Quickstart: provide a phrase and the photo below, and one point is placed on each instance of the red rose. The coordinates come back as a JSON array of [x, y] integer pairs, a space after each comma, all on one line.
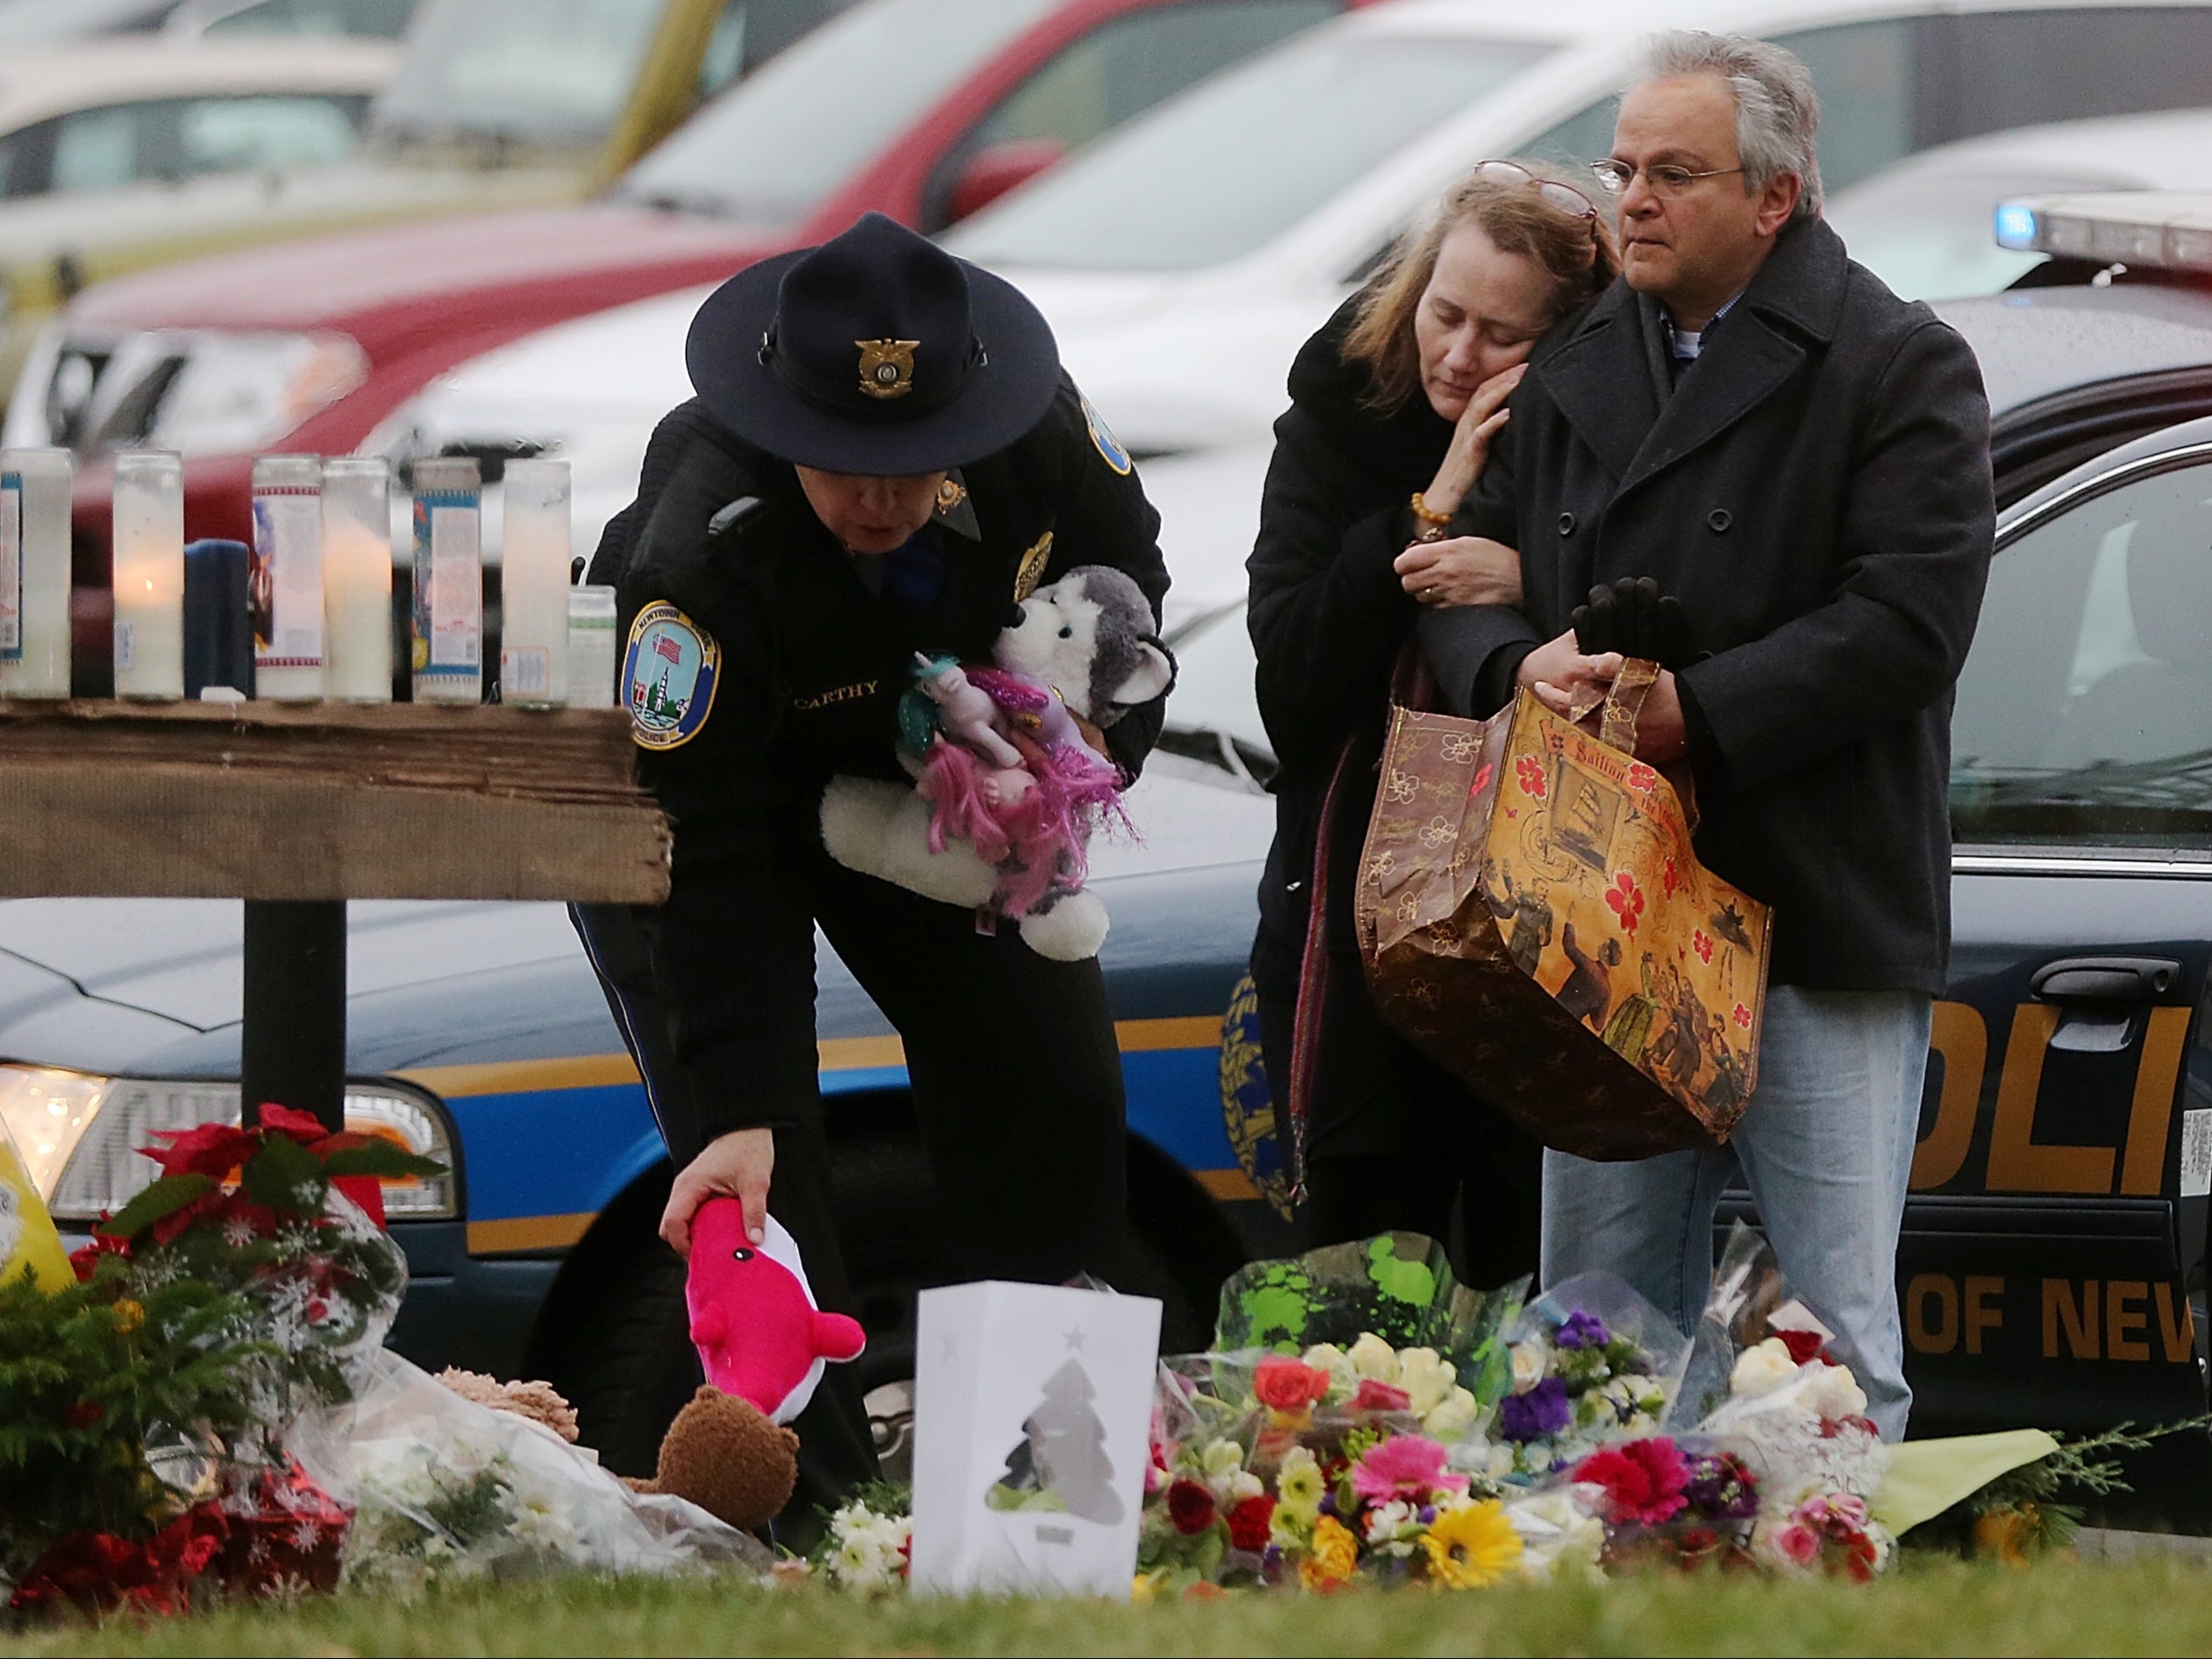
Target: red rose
[[1803, 1345], [1190, 1506], [1380, 1397], [1248, 1523], [1288, 1384]]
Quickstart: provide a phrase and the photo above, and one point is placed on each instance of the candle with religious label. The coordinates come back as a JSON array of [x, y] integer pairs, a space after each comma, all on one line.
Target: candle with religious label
[[357, 579], [34, 573], [595, 650], [149, 575], [285, 587], [534, 584], [449, 581]]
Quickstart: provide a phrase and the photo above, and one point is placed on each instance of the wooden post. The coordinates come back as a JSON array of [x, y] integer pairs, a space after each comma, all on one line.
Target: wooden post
[[292, 1048]]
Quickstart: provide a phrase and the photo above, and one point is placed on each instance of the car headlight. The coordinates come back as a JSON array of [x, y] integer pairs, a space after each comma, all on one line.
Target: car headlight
[[80, 1135], [232, 394]]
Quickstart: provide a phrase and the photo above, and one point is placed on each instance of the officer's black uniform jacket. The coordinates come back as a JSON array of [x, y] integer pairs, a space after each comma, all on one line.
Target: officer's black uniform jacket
[[813, 664]]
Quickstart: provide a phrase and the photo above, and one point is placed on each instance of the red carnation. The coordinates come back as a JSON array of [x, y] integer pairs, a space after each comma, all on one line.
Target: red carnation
[[1380, 1397], [1288, 1384], [1190, 1506], [1644, 1480], [1249, 1522], [1803, 1345]]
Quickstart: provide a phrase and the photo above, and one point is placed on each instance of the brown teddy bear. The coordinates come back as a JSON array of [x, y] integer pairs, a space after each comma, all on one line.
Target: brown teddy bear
[[721, 1452]]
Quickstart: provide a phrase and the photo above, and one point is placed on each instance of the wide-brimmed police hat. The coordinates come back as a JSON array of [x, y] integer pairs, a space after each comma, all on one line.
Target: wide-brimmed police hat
[[877, 352]]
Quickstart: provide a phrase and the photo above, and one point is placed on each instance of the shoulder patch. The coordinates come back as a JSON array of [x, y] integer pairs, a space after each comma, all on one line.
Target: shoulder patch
[[1102, 440], [668, 676]]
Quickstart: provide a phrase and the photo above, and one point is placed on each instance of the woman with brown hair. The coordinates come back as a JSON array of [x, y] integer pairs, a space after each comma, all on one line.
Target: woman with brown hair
[[1393, 406]]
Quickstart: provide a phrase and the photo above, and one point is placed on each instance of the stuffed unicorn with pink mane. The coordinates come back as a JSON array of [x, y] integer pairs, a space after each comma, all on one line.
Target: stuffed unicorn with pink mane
[[1007, 792]]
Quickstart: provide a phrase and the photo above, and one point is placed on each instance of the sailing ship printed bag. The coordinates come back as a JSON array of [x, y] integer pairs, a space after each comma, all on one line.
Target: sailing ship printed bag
[[1532, 916]]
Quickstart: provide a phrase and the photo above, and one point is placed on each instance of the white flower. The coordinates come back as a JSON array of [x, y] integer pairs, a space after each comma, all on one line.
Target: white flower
[[1556, 1534], [1393, 1528], [1833, 1393], [1327, 1356], [1763, 1366], [1242, 1485], [1427, 1380], [1451, 1417], [1498, 1463], [1527, 1366], [1373, 1358], [1218, 1464]]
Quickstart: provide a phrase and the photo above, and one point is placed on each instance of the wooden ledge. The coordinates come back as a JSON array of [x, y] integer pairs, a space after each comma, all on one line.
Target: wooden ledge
[[325, 800]]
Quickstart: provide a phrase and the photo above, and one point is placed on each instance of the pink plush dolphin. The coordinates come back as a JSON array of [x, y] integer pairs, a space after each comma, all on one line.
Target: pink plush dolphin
[[753, 1317]]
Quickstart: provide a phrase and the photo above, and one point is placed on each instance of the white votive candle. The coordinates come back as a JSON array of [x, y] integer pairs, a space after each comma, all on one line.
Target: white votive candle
[[149, 575], [449, 581], [594, 648], [534, 584], [285, 588], [357, 579], [34, 573]]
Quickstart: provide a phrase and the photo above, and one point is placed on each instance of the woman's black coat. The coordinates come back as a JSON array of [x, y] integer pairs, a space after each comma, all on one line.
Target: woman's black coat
[[1327, 614]]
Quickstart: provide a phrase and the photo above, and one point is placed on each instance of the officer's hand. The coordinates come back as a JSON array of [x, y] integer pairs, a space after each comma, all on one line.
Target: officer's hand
[[1466, 570], [737, 1165]]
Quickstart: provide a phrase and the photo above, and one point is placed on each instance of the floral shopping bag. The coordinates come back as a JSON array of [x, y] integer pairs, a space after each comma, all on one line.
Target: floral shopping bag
[[1532, 917]]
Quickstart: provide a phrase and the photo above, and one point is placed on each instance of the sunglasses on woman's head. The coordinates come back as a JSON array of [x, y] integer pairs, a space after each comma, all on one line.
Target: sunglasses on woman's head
[[1565, 198]]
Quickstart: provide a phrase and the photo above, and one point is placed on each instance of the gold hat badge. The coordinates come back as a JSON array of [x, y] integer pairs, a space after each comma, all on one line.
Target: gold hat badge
[[886, 366]]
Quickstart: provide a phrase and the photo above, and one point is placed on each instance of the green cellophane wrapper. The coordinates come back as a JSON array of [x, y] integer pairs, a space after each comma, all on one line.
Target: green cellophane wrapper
[[1398, 1286]]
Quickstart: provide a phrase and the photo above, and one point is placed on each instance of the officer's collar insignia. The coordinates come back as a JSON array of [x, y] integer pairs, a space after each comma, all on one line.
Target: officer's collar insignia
[[886, 366], [956, 508], [1102, 440], [1033, 566], [668, 677]]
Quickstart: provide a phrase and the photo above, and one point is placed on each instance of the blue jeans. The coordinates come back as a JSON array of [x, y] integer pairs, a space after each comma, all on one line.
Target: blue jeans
[[1826, 1146]]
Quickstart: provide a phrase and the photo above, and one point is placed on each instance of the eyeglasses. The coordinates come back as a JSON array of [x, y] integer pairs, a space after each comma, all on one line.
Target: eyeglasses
[[1665, 178], [1565, 198]]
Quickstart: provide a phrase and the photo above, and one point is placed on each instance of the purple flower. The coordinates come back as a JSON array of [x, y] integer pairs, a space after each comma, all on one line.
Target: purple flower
[[1582, 1330], [1537, 1415], [1721, 1488]]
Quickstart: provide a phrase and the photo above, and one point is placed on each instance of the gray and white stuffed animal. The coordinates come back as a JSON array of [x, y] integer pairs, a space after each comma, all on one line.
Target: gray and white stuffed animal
[[1092, 637]]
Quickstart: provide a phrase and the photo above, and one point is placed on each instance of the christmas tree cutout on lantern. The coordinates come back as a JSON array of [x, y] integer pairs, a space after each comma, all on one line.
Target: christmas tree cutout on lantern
[[1059, 1463]]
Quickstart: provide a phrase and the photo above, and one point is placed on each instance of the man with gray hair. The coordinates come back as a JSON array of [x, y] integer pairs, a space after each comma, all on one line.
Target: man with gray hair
[[1799, 461]]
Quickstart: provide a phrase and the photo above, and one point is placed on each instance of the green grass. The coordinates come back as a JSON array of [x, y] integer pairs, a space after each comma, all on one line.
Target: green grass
[[2154, 1606]]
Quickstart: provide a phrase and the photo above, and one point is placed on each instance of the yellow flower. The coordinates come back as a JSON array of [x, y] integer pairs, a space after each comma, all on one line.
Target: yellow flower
[[129, 1316], [1471, 1545], [1299, 1481], [1336, 1554], [1146, 1588]]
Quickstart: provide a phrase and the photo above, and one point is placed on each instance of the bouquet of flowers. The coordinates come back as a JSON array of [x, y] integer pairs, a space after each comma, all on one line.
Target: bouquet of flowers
[[1674, 1502], [445, 1490], [870, 1543], [1590, 1361]]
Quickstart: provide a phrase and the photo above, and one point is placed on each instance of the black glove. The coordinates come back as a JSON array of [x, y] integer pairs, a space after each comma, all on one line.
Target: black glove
[[1632, 617]]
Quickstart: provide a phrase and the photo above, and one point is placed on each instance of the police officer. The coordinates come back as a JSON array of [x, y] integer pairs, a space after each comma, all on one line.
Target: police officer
[[884, 459]]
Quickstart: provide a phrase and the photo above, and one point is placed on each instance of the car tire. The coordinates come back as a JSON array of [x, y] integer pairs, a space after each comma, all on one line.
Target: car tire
[[638, 1368]]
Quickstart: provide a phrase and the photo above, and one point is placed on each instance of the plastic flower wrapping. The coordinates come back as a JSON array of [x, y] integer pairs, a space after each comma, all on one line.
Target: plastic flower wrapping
[[444, 1491], [1363, 1418]]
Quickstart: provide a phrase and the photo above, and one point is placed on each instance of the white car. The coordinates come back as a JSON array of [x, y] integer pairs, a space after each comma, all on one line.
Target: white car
[[1184, 257], [50, 22], [1924, 226]]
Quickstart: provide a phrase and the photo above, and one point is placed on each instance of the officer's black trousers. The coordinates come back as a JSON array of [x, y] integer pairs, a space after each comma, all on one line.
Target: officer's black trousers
[[1017, 1086]]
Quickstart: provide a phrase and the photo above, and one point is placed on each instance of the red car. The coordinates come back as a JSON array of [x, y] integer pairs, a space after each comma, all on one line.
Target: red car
[[921, 109]]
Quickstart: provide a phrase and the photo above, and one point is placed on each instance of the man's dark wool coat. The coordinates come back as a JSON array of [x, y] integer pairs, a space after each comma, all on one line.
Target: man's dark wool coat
[[1816, 492]]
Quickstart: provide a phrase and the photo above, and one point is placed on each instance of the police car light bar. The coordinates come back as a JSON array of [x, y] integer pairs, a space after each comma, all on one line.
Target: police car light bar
[[2168, 229]]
